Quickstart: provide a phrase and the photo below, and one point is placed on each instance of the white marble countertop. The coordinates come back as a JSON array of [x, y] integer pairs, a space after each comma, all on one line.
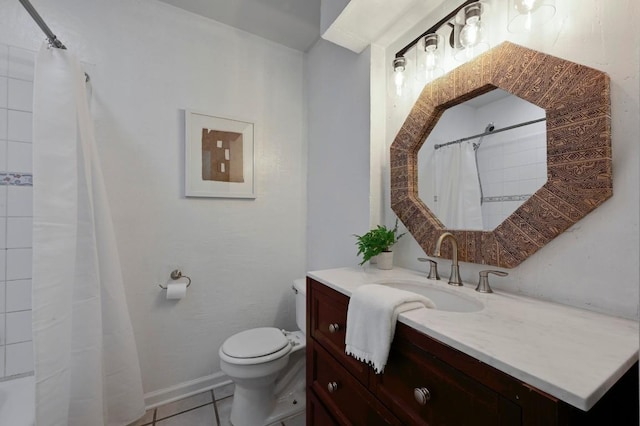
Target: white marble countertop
[[570, 353]]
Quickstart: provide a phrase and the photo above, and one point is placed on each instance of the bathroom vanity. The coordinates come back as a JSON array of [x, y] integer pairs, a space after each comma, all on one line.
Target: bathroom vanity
[[503, 360]]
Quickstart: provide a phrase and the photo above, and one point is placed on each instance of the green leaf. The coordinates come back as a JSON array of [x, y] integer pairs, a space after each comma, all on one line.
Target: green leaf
[[376, 241]]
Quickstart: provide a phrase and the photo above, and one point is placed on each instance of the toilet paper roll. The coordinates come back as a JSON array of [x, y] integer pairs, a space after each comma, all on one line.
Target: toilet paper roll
[[176, 291]]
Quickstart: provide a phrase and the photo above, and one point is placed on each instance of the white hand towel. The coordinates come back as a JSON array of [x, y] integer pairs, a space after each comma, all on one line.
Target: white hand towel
[[371, 321]]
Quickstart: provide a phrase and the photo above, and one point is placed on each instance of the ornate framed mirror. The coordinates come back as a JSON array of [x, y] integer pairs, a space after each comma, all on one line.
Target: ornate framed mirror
[[577, 106]]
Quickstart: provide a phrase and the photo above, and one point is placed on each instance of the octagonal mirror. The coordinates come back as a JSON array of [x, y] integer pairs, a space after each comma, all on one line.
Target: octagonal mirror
[[482, 160], [575, 99]]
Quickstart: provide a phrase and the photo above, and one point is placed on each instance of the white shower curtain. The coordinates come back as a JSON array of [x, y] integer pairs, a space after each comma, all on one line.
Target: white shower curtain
[[457, 186], [86, 361]]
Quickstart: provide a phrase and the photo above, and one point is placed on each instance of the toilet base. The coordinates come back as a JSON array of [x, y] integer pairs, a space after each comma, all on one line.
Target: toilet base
[[250, 408], [251, 405], [288, 406], [278, 400]]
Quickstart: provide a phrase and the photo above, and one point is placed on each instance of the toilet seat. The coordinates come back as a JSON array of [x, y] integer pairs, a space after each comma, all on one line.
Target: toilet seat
[[255, 346]]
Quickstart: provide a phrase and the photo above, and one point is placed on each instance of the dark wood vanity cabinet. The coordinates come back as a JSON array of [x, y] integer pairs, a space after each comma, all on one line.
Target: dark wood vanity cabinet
[[428, 383], [421, 389]]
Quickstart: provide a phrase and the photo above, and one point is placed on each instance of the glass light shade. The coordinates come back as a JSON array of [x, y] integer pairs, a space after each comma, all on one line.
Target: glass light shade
[[432, 74], [526, 15], [432, 51], [429, 58], [399, 65], [470, 32], [526, 6]]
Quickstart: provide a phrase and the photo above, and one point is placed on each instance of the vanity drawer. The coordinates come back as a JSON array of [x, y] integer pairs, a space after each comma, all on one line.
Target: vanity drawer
[[445, 396], [345, 398], [328, 318]]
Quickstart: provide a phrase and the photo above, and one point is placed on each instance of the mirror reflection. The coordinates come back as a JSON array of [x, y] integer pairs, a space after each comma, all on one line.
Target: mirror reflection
[[482, 160]]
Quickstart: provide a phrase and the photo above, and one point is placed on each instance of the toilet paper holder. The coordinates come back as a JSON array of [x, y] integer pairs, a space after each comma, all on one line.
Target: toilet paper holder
[[176, 274]]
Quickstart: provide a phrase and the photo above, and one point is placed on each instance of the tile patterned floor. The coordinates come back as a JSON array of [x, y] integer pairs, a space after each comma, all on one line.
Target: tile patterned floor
[[210, 408]]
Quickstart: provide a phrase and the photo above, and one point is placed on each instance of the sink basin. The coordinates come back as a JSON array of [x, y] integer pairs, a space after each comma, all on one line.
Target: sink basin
[[444, 299]]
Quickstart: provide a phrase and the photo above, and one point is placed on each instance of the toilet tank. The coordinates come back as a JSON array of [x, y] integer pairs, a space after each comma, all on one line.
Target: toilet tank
[[300, 288]]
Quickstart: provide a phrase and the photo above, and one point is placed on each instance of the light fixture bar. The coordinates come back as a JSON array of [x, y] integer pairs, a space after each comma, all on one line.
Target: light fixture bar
[[434, 28]]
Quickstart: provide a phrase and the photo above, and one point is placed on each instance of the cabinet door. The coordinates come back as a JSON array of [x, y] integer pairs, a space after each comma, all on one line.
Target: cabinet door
[[345, 398], [317, 415], [423, 390], [329, 325]]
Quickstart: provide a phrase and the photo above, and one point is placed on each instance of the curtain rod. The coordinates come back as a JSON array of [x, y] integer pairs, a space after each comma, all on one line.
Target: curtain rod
[[504, 129], [53, 40]]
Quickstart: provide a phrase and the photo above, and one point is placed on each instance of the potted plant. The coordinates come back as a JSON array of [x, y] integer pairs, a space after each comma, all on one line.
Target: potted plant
[[378, 242]]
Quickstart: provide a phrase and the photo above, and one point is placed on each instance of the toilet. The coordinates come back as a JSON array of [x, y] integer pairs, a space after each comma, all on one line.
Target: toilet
[[267, 366]]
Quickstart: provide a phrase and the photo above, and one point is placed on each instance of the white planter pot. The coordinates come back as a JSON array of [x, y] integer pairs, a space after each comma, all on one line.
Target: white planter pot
[[385, 260]]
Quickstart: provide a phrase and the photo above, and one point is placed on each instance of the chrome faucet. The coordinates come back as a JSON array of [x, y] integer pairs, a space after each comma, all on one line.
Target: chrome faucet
[[433, 268], [454, 278], [483, 282]]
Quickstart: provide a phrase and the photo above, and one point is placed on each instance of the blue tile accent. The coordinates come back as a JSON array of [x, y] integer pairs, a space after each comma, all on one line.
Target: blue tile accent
[[500, 198], [16, 179]]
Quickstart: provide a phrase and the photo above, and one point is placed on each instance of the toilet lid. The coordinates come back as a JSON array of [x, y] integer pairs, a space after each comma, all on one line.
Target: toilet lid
[[255, 343]]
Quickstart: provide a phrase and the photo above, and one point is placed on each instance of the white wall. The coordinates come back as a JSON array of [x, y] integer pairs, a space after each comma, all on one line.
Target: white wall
[[338, 90], [148, 62], [594, 264]]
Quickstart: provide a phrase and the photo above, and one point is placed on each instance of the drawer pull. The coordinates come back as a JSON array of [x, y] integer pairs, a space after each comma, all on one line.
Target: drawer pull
[[422, 395], [332, 387], [334, 327]]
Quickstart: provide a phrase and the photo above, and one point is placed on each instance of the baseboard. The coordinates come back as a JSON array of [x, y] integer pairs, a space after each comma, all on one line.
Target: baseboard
[[183, 390]]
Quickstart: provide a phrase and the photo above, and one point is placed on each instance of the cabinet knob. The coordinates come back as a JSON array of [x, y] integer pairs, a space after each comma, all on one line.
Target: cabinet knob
[[332, 387], [422, 395], [334, 327]]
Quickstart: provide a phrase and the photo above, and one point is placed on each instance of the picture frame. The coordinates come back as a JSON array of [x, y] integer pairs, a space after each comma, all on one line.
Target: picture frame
[[219, 156]]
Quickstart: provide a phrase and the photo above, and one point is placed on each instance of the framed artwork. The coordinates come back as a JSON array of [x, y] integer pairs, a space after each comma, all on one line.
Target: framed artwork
[[219, 157]]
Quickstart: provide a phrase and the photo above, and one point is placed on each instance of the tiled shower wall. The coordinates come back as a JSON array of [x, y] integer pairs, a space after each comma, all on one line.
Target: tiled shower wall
[[16, 100], [512, 164], [513, 167]]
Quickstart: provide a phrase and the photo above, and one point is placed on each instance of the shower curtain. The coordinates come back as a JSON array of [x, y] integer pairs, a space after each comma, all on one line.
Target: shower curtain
[[86, 361], [457, 188]]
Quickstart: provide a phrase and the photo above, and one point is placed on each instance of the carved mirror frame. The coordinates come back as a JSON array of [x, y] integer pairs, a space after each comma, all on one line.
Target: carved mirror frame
[[578, 110]]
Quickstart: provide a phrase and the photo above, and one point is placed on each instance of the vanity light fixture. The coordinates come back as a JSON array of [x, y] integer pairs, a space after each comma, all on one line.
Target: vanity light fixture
[[465, 21], [524, 15]]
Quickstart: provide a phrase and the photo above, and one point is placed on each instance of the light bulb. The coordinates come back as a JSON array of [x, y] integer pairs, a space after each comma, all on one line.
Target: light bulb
[[430, 60], [431, 51], [399, 64], [524, 15], [526, 6], [471, 33], [399, 81]]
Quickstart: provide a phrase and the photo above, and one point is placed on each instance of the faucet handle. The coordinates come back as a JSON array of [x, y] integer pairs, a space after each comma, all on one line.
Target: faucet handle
[[483, 283], [433, 268]]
